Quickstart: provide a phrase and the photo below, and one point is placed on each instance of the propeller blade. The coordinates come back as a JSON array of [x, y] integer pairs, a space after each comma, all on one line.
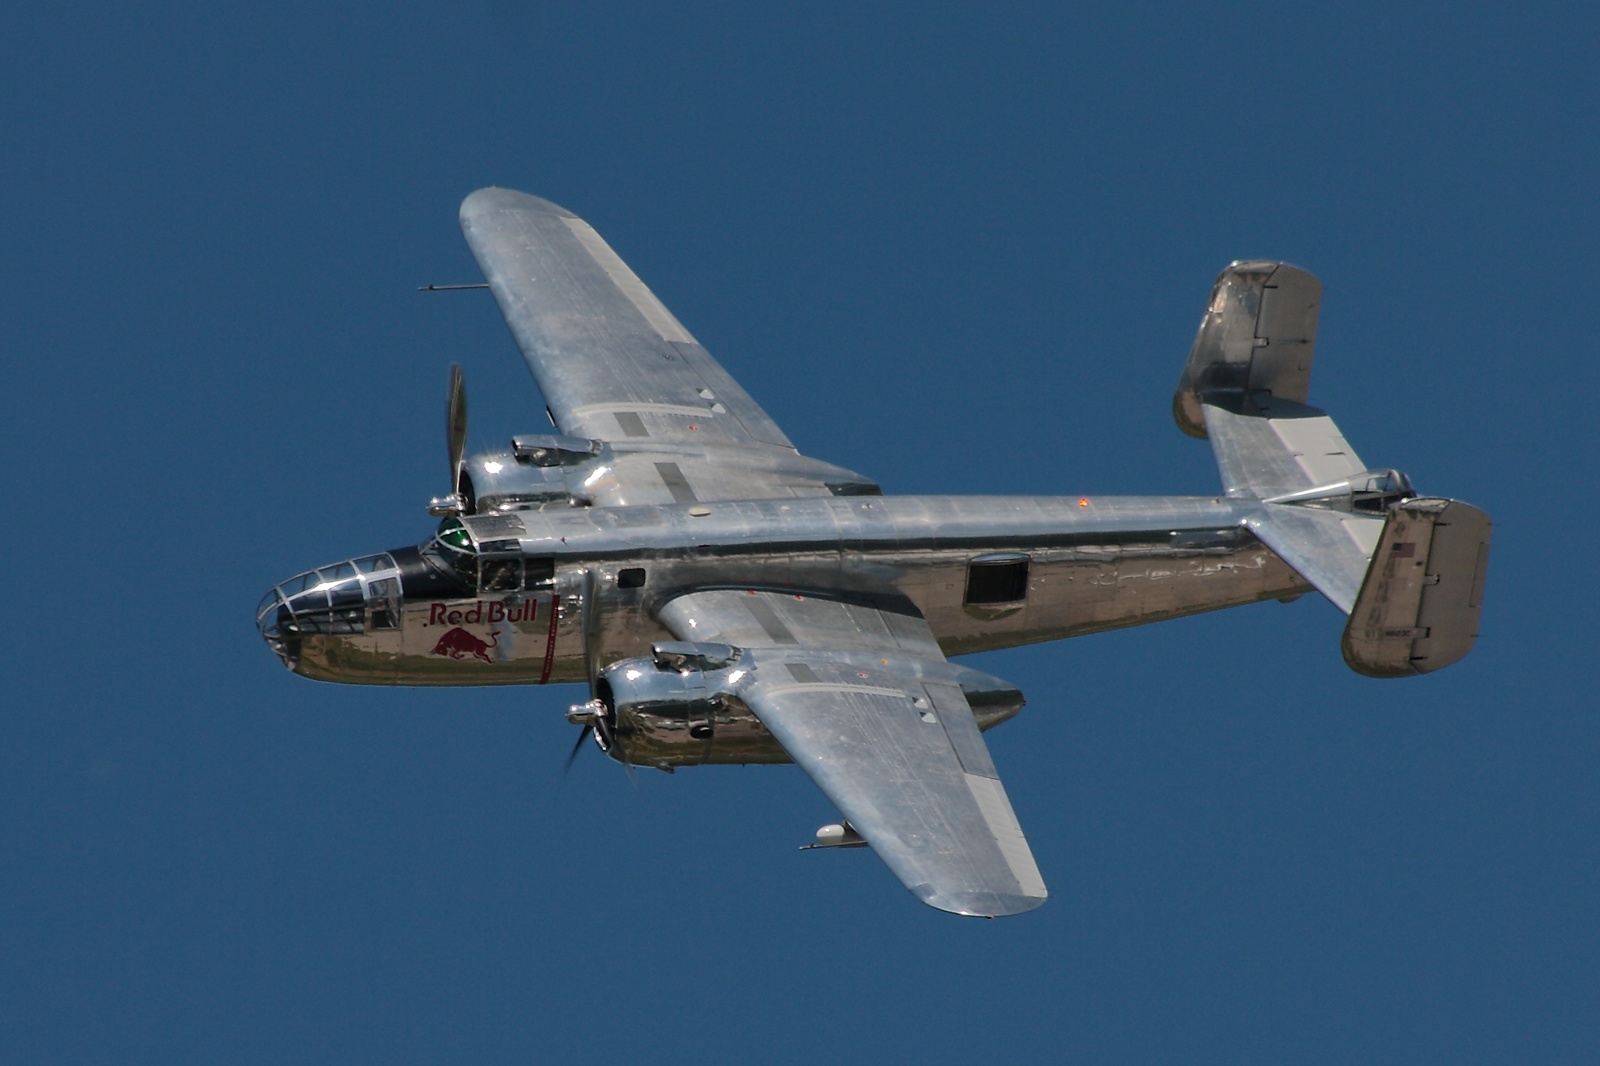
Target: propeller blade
[[456, 424], [572, 756]]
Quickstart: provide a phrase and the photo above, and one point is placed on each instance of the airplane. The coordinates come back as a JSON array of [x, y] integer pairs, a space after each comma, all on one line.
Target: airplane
[[729, 600]]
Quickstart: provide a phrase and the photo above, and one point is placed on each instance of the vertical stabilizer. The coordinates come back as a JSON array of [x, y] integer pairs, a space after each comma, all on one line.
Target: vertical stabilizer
[[1258, 335], [1419, 606]]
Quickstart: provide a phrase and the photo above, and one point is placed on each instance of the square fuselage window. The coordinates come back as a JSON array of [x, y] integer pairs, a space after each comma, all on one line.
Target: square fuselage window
[[997, 580]]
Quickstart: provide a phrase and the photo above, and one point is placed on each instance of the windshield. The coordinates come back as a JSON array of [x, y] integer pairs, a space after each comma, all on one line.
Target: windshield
[[452, 548]]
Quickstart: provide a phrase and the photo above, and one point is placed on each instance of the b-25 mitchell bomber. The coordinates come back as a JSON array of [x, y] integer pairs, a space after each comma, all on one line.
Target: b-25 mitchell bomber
[[726, 599]]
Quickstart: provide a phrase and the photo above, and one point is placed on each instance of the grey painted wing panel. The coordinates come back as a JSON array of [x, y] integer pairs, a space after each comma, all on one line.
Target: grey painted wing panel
[[1277, 447], [611, 360], [899, 753]]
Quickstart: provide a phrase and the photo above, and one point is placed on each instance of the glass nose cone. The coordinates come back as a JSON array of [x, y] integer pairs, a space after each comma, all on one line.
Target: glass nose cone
[[276, 624], [332, 601], [326, 601]]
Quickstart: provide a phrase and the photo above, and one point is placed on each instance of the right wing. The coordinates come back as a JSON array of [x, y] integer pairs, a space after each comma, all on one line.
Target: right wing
[[863, 701]]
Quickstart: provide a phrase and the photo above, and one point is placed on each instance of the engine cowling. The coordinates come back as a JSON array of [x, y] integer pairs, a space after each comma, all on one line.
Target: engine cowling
[[680, 707], [538, 471]]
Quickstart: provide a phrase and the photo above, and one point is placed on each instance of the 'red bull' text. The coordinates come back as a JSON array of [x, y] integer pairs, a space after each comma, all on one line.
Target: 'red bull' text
[[491, 611]]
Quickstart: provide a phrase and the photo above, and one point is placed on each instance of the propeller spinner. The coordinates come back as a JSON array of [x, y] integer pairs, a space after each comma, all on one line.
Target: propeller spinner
[[594, 719]]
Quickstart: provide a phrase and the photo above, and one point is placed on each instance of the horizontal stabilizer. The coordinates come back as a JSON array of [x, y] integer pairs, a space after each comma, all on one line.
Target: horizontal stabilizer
[[1419, 606], [1329, 549], [1408, 571], [1266, 447]]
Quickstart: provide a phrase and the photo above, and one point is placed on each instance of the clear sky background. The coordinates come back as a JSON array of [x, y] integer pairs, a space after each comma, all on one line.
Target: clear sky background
[[958, 250]]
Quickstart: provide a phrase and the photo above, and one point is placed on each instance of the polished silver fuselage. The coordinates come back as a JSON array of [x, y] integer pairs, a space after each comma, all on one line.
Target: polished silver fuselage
[[1091, 564]]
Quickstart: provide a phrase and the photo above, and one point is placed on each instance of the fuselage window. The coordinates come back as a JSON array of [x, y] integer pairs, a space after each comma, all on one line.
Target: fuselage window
[[999, 580], [499, 575], [538, 573]]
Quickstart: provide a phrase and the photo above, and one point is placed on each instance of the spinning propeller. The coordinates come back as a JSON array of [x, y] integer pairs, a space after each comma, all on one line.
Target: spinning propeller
[[593, 719], [455, 430], [455, 426]]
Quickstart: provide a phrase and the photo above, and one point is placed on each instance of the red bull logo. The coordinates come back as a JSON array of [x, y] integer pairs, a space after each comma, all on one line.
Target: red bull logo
[[458, 644], [481, 611]]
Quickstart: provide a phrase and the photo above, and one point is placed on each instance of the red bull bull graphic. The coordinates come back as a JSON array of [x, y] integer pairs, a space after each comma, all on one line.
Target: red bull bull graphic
[[458, 644]]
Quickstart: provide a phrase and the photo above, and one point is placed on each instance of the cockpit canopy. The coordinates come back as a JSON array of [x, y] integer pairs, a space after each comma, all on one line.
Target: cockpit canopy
[[484, 554], [345, 599]]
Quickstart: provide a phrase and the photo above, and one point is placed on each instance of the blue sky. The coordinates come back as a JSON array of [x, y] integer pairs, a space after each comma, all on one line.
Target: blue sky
[[959, 251]]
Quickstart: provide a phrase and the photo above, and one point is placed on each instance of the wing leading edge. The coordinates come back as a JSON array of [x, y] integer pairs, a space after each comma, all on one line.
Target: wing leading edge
[[864, 703]]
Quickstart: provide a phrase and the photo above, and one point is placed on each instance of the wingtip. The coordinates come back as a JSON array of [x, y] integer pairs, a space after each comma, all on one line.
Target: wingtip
[[493, 199], [982, 904]]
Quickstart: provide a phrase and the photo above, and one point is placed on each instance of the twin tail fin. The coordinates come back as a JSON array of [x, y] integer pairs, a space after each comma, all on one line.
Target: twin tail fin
[[1408, 571]]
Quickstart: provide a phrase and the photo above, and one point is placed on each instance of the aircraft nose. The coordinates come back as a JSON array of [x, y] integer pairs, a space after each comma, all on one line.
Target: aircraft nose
[[328, 601], [275, 622]]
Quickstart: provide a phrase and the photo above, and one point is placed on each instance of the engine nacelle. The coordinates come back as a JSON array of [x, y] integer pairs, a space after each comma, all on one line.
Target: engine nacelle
[[538, 471], [680, 706]]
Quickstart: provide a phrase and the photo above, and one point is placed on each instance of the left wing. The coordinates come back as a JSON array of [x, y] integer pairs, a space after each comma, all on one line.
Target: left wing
[[863, 700], [611, 360], [615, 365]]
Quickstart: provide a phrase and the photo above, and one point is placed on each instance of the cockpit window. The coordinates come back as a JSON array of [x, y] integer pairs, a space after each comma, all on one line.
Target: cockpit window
[[373, 563], [301, 582], [484, 566], [453, 534], [451, 547], [500, 575], [540, 572]]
